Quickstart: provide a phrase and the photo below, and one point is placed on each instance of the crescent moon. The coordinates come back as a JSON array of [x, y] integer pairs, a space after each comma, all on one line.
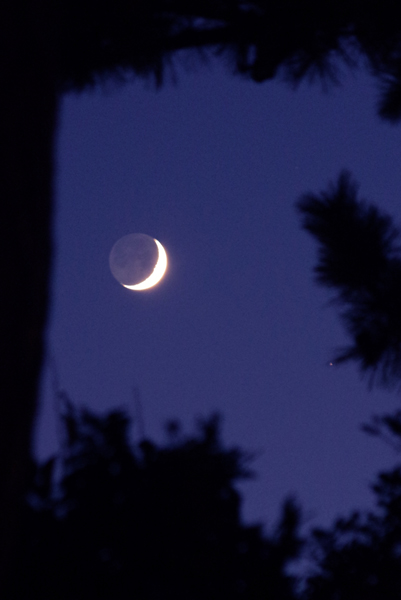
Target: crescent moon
[[157, 273]]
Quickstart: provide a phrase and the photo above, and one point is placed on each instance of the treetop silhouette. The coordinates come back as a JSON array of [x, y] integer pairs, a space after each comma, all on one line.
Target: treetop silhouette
[[108, 519], [149, 521], [359, 557]]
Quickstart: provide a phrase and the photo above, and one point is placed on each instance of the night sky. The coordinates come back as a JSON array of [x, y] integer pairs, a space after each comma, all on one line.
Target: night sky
[[212, 167]]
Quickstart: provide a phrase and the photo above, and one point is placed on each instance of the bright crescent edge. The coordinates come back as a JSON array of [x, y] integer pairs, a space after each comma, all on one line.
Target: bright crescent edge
[[157, 273]]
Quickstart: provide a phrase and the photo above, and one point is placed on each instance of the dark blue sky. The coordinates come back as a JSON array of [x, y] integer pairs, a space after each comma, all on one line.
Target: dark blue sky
[[212, 168]]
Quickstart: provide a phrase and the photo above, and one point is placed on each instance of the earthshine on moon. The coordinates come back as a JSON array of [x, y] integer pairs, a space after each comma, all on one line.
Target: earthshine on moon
[[138, 261]]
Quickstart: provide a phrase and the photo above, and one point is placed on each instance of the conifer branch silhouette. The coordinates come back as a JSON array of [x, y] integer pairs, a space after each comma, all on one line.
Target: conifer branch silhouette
[[359, 257]]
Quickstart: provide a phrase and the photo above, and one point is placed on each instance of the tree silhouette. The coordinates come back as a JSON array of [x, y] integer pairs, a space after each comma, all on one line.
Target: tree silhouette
[[292, 39], [360, 257], [108, 520], [359, 557], [49, 48]]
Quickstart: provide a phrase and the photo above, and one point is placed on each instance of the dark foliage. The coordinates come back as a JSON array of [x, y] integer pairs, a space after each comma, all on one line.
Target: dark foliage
[[386, 427], [148, 522], [359, 558], [106, 520], [360, 258], [260, 39]]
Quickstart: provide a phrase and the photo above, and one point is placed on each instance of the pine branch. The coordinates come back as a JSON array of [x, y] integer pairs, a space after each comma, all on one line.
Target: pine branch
[[359, 257]]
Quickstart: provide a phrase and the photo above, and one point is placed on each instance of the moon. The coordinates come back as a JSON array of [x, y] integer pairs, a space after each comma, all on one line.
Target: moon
[[138, 261]]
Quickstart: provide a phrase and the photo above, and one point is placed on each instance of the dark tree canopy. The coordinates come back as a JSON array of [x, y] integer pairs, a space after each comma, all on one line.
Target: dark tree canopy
[[360, 257], [260, 39], [106, 519], [359, 558], [113, 521]]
